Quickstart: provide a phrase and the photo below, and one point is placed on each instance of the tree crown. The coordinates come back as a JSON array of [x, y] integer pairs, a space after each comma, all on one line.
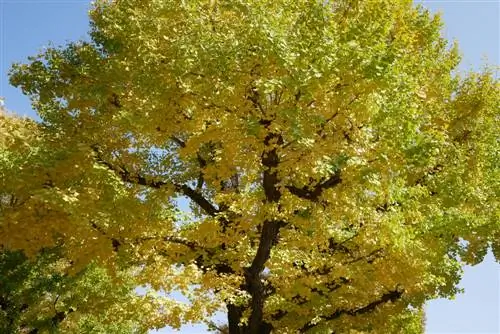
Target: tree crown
[[335, 167]]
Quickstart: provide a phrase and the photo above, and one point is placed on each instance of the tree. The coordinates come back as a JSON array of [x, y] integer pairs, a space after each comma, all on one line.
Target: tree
[[38, 296], [338, 172], [44, 291]]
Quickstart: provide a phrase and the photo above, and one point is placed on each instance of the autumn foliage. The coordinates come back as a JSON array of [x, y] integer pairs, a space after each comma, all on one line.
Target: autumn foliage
[[303, 166]]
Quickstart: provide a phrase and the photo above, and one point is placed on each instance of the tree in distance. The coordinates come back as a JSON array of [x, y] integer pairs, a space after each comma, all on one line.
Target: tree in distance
[[338, 170], [38, 296]]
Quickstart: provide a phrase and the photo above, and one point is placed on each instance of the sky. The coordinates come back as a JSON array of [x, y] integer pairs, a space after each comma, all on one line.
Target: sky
[[27, 26]]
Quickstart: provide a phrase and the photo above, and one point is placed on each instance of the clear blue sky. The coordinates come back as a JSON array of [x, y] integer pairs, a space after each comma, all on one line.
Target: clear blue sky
[[27, 26]]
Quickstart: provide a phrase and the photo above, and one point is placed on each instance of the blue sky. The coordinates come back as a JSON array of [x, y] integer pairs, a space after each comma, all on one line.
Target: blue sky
[[27, 26]]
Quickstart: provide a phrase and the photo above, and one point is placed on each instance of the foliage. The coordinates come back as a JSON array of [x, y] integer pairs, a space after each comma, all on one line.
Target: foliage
[[336, 169], [38, 296]]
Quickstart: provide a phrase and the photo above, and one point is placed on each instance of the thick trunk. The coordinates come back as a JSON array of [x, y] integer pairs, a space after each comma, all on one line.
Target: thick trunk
[[234, 314], [269, 235]]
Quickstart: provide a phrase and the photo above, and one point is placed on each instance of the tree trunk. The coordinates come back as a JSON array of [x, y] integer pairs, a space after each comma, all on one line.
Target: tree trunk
[[234, 314]]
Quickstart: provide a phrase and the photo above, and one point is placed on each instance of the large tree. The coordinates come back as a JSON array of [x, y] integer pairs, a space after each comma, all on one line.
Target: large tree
[[337, 169]]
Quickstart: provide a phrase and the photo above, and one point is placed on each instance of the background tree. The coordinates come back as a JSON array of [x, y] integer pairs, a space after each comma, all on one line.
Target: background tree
[[335, 167], [47, 292], [38, 296]]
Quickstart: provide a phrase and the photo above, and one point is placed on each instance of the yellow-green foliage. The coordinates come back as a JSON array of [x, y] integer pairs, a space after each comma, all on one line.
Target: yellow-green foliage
[[38, 296], [335, 167]]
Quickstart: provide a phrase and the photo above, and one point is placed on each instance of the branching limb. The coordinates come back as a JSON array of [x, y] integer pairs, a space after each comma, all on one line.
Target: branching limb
[[329, 287], [116, 242], [314, 193], [151, 182], [390, 296]]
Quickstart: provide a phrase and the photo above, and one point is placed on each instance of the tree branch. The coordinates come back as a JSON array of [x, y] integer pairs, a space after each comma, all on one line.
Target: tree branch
[[172, 239], [254, 96], [198, 198], [314, 193], [200, 261], [151, 182], [329, 287], [175, 240], [390, 296]]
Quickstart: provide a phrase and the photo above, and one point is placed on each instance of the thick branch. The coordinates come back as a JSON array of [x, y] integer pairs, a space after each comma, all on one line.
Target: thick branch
[[178, 141], [181, 241], [254, 98], [386, 207], [434, 170], [198, 198], [203, 259], [172, 239], [194, 246], [390, 296], [327, 288], [151, 182], [313, 193]]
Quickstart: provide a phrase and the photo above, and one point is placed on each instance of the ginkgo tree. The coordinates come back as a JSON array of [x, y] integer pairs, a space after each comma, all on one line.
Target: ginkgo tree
[[338, 171]]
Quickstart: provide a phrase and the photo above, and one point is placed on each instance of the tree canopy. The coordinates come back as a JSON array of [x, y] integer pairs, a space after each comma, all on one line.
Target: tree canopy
[[39, 296], [337, 168]]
